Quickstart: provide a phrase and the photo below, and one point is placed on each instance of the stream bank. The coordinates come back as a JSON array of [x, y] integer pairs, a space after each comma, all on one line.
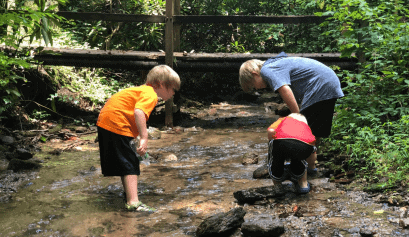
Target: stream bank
[[196, 168]]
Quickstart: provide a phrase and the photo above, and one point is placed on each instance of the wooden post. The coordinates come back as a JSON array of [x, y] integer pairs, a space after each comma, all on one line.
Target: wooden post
[[176, 29], [169, 57], [176, 48]]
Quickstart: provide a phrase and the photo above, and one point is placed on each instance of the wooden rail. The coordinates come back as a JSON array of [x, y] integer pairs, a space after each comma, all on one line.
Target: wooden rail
[[180, 19], [177, 60], [218, 62]]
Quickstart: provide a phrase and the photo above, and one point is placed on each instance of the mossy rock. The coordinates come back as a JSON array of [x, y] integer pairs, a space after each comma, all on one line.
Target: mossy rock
[[55, 129]]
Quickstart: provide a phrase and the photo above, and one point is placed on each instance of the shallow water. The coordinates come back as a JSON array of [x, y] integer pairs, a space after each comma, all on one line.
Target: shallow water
[[70, 197]]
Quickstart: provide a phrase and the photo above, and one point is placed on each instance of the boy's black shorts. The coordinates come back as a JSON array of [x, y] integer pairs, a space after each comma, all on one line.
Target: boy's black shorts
[[117, 157], [319, 117]]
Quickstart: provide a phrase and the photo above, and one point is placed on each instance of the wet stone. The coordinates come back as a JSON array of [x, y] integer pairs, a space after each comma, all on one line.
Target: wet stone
[[170, 157], [23, 154], [250, 158], [221, 224], [18, 165], [313, 232], [262, 225], [261, 172], [255, 194], [6, 139], [154, 133], [365, 232], [80, 129], [404, 223]]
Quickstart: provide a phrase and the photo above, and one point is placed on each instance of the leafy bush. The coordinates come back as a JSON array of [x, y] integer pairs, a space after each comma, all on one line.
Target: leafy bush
[[256, 38], [26, 22], [118, 35], [87, 82], [220, 37], [371, 122], [9, 94]]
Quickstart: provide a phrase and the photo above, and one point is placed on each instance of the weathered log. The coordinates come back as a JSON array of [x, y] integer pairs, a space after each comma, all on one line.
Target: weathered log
[[141, 60], [99, 16]]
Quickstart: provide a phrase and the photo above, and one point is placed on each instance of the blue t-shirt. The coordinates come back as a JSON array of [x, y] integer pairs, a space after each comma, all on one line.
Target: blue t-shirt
[[311, 81]]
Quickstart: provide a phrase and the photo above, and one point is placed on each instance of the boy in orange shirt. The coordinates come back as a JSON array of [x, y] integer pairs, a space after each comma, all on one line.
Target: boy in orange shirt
[[122, 119], [290, 138]]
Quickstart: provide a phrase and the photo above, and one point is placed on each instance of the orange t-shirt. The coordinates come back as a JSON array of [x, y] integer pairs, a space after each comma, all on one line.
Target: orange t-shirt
[[289, 127], [117, 115]]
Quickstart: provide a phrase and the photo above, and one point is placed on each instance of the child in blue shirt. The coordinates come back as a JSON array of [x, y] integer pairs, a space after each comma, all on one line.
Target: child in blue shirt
[[299, 81]]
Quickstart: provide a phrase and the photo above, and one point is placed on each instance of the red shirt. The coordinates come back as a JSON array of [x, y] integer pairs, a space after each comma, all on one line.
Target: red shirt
[[289, 127]]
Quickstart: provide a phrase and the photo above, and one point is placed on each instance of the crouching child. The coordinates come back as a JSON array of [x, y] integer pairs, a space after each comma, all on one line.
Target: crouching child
[[290, 139]]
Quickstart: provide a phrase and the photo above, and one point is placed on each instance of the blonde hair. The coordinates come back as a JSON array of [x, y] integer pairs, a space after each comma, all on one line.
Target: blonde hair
[[298, 117], [165, 75], [246, 73]]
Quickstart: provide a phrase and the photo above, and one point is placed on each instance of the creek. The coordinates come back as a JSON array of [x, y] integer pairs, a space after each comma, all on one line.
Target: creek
[[68, 196]]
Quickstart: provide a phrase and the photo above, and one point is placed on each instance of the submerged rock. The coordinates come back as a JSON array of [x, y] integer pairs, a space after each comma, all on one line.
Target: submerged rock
[[18, 165], [170, 157], [222, 223]]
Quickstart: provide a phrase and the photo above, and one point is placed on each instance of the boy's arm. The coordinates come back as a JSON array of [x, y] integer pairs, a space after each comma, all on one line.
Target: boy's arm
[[271, 131], [140, 120], [288, 96]]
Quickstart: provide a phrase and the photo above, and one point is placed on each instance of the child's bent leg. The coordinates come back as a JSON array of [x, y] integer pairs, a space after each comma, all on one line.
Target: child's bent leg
[[130, 183], [298, 172], [275, 163], [302, 182], [313, 157], [311, 160]]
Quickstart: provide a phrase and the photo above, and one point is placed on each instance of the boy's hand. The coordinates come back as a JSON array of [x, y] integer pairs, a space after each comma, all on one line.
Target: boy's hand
[[143, 145], [271, 132]]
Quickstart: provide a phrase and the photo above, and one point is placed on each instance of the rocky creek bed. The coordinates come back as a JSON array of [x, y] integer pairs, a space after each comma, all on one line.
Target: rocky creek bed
[[206, 178]]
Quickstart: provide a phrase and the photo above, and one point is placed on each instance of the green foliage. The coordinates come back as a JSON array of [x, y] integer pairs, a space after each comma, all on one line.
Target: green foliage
[[86, 82], [33, 20], [204, 37], [118, 35], [46, 19], [8, 92], [371, 122], [25, 22], [258, 38]]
